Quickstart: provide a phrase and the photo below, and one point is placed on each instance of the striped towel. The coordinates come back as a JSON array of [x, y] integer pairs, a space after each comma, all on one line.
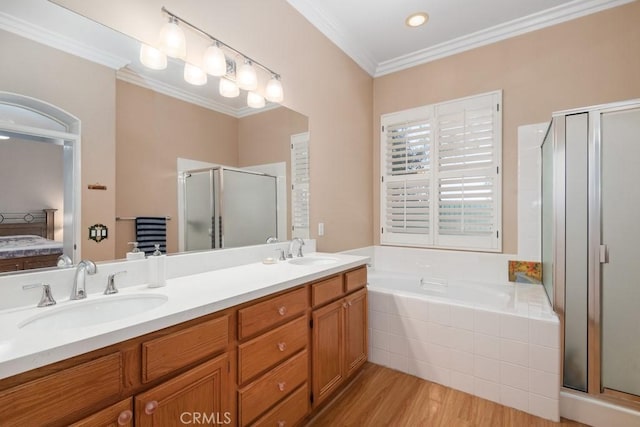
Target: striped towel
[[151, 231]]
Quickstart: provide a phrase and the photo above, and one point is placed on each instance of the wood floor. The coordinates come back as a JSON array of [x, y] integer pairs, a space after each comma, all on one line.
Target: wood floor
[[383, 397]]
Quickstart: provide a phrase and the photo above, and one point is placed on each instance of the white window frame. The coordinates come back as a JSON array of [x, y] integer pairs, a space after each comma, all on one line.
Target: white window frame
[[483, 241], [300, 226]]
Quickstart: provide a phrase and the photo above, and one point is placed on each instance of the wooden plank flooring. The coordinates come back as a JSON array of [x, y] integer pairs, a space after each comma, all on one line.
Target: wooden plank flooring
[[383, 397]]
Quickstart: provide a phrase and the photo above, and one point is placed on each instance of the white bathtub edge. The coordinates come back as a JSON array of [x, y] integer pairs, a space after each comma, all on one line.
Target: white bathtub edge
[[596, 413]]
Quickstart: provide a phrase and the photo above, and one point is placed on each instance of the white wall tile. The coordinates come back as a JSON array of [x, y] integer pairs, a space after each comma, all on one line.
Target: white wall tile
[[431, 373], [515, 352], [379, 301], [514, 327], [379, 340], [461, 382], [461, 340], [396, 325], [514, 398], [438, 355], [486, 389], [440, 313], [438, 334], [412, 307], [486, 345], [544, 407], [462, 317], [398, 344], [486, 322], [544, 384], [485, 368], [398, 362], [514, 376], [379, 320], [544, 359], [461, 362], [544, 333], [378, 356]]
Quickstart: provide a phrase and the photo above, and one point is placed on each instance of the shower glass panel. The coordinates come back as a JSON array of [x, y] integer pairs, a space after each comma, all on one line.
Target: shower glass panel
[[620, 201], [197, 229], [547, 213], [576, 252]]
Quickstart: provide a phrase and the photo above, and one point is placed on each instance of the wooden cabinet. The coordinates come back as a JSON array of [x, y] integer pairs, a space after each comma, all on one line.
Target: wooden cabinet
[[339, 337], [200, 392], [118, 415]]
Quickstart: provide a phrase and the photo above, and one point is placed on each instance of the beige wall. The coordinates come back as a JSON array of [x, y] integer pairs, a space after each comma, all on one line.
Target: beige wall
[[266, 138], [87, 91], [320, 81], [152, 131], [591, 60]]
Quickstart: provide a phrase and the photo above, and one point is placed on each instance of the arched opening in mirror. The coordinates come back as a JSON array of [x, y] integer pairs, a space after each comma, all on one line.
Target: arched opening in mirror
[[40, 156]]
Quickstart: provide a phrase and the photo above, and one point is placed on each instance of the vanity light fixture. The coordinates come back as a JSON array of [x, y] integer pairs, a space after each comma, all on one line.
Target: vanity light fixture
[[152, 58], [417, 19], [219, 60]]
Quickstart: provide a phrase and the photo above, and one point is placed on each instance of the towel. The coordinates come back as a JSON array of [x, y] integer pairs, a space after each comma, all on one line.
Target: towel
[[151, 231]]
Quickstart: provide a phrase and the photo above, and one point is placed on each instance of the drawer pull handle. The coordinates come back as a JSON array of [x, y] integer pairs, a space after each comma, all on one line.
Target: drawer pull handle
[[151, 407], [282, 346], [281, 423], [344, 304], [349, 303], [281, 386], [125, 417], [282, 310]]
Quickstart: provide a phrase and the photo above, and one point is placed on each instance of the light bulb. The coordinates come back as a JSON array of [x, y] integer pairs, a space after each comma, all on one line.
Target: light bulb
[[255, 100], [152, 57], [172, 40], [194, 75], [214, 61], [273, 91], [228, 88], [247, 78]]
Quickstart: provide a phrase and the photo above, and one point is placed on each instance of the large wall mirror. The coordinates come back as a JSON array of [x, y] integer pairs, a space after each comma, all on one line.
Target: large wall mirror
[[164, 130]]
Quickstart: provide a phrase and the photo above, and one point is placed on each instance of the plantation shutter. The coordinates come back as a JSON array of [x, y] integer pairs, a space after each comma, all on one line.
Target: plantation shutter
[[406, 187], [467, 188], [300, 185]]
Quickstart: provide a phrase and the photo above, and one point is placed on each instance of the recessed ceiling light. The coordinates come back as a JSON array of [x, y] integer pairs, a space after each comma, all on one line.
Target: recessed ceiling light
[[417, 19]]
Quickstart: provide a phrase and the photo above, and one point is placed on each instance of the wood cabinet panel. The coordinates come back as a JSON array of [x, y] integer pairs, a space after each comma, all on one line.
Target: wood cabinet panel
[[289, 412], [356, 331], [328, 350], [261, 353], [120, 414], [272, 387], [355, 279], [326, 290], [52, 399], [176, 350], [261, 316], [202, 391]]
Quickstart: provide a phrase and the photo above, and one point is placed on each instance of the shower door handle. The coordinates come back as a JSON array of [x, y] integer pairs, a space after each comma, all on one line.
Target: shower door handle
[[604, 254]]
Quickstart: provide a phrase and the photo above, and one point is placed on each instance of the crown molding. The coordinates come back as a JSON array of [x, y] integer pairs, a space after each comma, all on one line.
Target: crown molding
[[536, 21], [336, 33], [66, 44]]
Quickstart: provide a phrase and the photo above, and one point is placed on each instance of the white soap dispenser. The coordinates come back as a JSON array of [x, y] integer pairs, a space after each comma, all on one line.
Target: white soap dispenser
[[135, 252], [157, 268]]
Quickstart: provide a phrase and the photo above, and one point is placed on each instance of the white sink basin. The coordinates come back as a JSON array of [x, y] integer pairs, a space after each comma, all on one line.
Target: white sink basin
[[313, 261], [92, 312]]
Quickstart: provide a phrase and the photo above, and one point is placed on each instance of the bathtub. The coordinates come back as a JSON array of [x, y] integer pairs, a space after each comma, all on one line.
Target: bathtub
[[496, 340]]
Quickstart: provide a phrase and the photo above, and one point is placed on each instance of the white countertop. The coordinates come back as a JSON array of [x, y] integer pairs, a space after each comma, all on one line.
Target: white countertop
[[189, 297]]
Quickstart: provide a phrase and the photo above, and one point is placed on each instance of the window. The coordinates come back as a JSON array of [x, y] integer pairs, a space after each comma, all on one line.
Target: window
[[300, 185], [441, 184]]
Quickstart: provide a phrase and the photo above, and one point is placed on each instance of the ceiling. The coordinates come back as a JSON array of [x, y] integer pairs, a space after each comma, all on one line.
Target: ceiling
[[374, 34]]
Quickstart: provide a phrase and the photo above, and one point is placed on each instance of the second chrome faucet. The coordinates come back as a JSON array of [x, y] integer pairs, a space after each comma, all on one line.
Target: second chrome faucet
[[83, 268]]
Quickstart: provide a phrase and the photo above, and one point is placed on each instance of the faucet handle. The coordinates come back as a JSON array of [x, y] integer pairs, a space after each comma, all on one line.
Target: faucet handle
[[111, 282], [47, 297], [281, 255], [300, 248]]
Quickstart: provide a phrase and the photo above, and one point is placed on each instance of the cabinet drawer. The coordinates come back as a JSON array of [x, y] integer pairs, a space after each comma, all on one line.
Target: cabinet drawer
[[355, 279], [326, 290], [165, 354], [272, 387], [57, 397], [269, 349], [120, 414], [263, 315], [288, 412]]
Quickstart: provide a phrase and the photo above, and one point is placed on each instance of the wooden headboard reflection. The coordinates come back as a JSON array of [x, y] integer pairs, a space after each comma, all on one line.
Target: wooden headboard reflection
[[39, 223]]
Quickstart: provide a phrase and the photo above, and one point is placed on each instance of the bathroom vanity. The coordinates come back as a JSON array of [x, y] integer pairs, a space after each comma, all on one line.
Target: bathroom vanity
[[267, 360]]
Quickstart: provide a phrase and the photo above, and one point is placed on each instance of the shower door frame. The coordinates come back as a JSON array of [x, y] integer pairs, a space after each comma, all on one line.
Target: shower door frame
[[594, 292]]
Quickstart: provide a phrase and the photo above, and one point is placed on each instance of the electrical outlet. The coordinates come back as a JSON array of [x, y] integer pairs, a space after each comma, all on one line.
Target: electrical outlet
[[321, 229]]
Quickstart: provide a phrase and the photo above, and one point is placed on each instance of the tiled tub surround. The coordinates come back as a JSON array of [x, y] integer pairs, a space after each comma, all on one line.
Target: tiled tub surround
[[501, 344]]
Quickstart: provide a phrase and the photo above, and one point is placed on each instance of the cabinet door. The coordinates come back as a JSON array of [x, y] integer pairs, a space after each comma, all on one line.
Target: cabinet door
[[201, 394], [328, 349], [356, 330], [120, 414]]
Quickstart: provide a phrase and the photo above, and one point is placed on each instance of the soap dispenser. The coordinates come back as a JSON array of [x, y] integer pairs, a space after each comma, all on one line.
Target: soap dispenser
[[135, 252], [157, 268]]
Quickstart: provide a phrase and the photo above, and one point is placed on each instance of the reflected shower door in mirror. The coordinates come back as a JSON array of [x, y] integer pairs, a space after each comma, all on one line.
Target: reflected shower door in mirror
[[226, 208]]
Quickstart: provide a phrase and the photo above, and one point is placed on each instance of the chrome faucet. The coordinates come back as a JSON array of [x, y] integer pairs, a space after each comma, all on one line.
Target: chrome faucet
[[83, 268], [111, 283], [272, 240], [292, 243]]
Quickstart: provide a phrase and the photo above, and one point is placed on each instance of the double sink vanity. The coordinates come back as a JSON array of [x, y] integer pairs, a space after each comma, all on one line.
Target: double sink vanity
[[251, 344]]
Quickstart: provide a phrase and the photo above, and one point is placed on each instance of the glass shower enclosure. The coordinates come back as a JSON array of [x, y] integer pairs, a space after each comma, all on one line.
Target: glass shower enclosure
[[591, 199], [228, 208]]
